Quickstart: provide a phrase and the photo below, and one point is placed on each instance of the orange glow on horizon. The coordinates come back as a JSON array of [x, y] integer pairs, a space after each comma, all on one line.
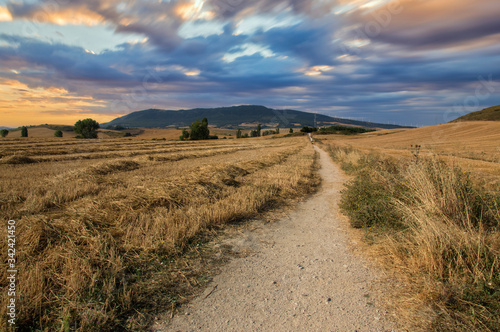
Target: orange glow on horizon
[[26, 117], [21, 105]]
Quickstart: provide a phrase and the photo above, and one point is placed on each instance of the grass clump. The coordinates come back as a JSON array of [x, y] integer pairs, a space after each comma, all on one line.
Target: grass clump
[[439, 228], [368, 203]]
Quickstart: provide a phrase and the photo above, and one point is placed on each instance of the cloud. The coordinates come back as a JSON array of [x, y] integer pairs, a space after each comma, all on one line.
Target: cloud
[[427, 24], [55, 13], [159, 21], [63, 60], [241, 8], [376, 59], [5, 14]]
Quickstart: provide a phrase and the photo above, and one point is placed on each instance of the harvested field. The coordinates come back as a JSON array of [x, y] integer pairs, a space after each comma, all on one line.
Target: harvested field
[[100, 224], [473, 146]]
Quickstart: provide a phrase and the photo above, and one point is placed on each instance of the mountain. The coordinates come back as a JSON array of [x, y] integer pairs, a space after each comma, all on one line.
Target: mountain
[[235, 117], [488, 114]]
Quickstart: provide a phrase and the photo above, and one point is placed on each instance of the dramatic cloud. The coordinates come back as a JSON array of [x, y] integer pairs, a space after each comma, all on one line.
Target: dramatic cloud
[[405, 61]]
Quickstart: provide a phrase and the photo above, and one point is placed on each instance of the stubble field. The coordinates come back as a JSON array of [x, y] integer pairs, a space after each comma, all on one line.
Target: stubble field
[[100, 223], [473, 146]]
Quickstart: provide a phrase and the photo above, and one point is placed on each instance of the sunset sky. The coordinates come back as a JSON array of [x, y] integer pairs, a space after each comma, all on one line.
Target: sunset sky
[[415, 62]]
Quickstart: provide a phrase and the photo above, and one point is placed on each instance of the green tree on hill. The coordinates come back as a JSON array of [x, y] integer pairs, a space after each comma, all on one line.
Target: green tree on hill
[[199, 130], [58, 133], [238, 133], [24, 131], [4, 132], [86, 128]]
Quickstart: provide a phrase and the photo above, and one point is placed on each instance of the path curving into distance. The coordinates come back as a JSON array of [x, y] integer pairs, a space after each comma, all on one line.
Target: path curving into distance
[[301, 276]]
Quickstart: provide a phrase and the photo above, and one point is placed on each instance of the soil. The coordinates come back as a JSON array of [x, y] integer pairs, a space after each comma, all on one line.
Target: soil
[[300, 274]]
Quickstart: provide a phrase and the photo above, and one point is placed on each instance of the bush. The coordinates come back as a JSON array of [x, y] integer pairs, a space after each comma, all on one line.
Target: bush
[[369, 203], [268, 132], [24, 131], [4, 132], [185, 135], [307, 129], [58, 133], [199, 130], [87, 128]]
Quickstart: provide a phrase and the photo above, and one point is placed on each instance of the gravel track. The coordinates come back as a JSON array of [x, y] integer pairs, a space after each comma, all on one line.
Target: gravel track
[[301, 275]]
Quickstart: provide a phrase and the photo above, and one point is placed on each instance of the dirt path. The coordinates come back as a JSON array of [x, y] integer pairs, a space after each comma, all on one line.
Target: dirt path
[[300, 276]]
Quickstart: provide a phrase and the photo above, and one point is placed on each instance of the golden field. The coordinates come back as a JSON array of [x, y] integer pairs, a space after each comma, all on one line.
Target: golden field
[[474, 145], [431, 217], [100, 223], [44, 131]]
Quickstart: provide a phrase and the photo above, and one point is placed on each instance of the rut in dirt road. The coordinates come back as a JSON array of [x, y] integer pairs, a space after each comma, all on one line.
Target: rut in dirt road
[[301, 276]]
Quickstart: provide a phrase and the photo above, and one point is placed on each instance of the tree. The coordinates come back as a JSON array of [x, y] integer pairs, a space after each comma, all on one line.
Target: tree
[[58, 133], [238, 133], [185, 135], [307, 129], [24, 131], [277, 130], [258, 129], [199, 130], [4, 132], [291, 131], [267, 132], [87, 128]]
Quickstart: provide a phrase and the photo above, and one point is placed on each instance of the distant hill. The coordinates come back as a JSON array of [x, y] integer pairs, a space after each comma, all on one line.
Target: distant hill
[[244, 116], [488, 114]]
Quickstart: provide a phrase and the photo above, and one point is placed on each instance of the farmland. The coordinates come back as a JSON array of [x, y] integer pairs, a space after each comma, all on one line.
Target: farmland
[[428, 203], [100, 223], [473, 146]]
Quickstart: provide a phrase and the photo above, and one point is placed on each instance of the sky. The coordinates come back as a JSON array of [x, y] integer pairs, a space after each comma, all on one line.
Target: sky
[[410, 62]]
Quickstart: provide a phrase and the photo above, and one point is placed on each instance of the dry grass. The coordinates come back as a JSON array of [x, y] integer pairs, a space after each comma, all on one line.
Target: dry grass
[[100, 237], [38, 132], [436, 231], [473, 146]]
